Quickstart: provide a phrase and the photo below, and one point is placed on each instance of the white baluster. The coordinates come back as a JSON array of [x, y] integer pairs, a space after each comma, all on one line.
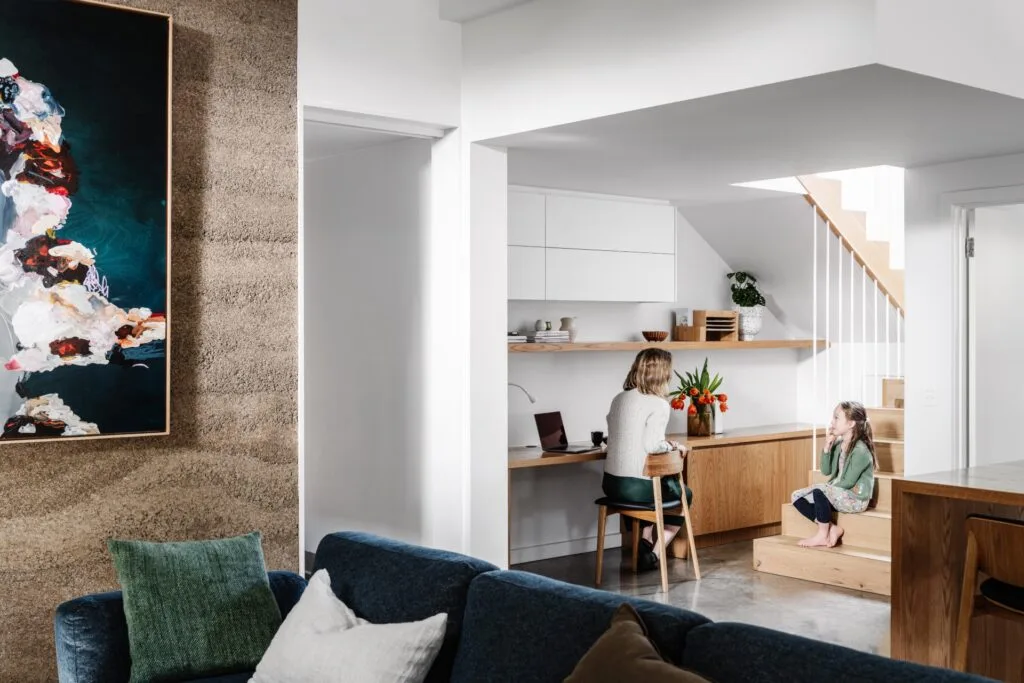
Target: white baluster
[[814, 333], [828, 314], [863, 332], [876, 386], [853, 328], [839, 320]]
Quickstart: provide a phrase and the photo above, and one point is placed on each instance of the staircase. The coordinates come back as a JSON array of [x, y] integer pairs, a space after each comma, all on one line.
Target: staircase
[[863, 560]]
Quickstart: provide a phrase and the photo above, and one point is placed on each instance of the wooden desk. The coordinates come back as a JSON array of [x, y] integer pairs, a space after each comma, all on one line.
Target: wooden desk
[[928, 547], [740, 478]]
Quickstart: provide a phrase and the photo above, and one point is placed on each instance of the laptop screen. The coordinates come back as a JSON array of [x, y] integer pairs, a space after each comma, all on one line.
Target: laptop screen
[[551, 430]]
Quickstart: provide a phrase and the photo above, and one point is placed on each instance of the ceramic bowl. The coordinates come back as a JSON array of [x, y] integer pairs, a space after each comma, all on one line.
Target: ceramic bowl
[[655, 335]]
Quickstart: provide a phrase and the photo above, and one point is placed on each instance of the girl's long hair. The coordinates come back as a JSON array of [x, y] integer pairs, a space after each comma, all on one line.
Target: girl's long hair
[[856, 413], [651, 373]]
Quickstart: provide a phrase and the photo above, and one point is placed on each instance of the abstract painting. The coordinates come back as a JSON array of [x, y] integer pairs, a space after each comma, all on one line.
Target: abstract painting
[[84, 221]]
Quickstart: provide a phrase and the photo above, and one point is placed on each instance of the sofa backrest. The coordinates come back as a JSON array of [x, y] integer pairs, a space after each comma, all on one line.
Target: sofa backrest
[[385, 581], [524, 628], [740, 653], [91, 633]]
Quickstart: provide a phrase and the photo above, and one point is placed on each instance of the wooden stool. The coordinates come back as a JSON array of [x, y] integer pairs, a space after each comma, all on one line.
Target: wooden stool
[[994, 547], [658, 465]]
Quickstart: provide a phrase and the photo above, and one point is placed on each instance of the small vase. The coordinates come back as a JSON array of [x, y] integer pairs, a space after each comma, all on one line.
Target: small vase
[[701, 424], [750, 321], [539, 326], [569, 325]]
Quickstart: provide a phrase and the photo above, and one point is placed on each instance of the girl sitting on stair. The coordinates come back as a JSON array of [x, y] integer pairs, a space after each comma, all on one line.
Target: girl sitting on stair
[[849, 460]]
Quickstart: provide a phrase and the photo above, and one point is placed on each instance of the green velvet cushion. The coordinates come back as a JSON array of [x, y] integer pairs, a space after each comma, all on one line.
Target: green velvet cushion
[[195, 608]]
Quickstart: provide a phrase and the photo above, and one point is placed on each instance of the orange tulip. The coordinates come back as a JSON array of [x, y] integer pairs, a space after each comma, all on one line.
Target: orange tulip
[[723, 398], [692, 410], [693, 391], [724, 408]]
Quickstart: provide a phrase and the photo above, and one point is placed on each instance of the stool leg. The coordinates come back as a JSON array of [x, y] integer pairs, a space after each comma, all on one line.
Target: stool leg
[[963, 624], [689, 531], [660, 540], [636, 543], [602, 518]]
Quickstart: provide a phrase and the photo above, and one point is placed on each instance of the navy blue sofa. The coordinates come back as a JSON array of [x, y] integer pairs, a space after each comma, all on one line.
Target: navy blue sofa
[[503, 626]]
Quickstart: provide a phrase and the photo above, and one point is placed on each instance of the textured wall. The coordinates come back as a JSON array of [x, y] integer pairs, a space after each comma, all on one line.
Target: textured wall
[[230, 464]]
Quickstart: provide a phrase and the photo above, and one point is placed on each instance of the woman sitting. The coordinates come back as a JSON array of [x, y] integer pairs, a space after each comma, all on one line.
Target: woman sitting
[[637, 421], [849, 459]]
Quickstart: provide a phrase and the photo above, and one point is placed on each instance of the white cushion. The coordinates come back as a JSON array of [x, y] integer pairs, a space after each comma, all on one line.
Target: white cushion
[[322, 641]]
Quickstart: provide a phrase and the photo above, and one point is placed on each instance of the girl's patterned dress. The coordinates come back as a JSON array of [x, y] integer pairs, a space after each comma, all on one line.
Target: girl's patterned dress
[[842, 499]]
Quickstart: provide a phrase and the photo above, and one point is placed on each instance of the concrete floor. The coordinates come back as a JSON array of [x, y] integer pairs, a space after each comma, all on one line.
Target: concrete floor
[[730, 590]]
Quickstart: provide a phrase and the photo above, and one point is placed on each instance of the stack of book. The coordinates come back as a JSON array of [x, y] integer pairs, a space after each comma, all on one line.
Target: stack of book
[[516, 338], [548, 337]]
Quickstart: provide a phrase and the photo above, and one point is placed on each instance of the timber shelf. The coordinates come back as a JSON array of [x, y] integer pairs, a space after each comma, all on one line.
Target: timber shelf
[[669, 346]]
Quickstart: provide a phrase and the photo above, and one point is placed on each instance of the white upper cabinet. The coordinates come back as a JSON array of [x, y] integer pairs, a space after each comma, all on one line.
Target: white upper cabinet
[[608, 225], [583, 275], [526, 273], [563, 247], [525, 219]]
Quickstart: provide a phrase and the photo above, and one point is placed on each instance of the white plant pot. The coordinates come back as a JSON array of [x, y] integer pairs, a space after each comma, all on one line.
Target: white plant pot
[[750, 321]]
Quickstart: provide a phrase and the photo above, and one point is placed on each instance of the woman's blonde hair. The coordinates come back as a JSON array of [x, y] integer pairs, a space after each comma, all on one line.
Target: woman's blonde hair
[[651, 372]]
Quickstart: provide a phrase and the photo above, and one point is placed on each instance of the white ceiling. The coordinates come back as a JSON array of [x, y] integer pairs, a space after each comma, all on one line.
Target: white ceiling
[[690, 152], [467, 10], [322, 140]]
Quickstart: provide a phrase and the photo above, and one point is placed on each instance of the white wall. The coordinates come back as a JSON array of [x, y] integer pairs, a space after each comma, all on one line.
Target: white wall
[[553, 510], [391, 58], [367, 220], [557, 61], [932, 253]]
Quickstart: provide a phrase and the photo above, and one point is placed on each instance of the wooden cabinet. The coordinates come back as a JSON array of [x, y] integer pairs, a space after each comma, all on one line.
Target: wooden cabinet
[[526, 275], [526, 219], [590, 249], [610, 225], [584, 275]]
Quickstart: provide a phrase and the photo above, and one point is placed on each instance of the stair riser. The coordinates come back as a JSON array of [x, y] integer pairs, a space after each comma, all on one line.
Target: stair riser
[[890, 456], [887, 424], [892, 393], [834, 569], [862, 531], [883, 484]]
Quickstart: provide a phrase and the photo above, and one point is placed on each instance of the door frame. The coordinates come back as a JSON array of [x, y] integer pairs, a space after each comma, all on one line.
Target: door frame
[[400, 128], [960, 207]]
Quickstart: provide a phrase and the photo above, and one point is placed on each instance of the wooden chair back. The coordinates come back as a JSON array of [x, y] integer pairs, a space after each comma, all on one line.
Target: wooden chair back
[[1000, 548], [663, 465]]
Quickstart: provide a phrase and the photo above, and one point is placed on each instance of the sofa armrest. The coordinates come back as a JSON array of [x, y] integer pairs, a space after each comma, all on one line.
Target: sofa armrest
[[91, 633]]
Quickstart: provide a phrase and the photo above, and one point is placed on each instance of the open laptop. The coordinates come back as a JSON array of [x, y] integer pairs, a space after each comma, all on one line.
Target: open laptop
[[553, 438]]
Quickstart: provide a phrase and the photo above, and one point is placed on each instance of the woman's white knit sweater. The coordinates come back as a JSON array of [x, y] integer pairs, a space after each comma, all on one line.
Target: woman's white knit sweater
[[636, 427]]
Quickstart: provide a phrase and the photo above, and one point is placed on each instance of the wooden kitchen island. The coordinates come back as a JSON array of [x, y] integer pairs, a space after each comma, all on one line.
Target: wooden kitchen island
[[928, 547], [740, 478]]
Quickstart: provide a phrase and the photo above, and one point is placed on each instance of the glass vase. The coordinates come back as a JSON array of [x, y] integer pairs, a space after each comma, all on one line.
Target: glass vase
[[701, 424]]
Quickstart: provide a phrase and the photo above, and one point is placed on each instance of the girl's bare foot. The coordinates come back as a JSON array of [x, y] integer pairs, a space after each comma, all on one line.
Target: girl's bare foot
[[835, 535], [819, 539]]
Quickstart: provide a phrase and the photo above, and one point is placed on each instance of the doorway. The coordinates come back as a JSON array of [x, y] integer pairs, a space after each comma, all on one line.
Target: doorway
[[995, 366]]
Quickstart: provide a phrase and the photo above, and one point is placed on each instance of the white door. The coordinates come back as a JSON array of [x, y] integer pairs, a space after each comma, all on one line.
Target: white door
[[995, 324]]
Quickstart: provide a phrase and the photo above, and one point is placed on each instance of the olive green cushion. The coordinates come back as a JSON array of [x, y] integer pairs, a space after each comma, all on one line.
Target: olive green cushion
[[195, 608]]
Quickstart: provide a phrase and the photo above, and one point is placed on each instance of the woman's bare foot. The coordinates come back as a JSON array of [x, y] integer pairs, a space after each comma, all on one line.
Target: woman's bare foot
[[819, 539], [835, 535]]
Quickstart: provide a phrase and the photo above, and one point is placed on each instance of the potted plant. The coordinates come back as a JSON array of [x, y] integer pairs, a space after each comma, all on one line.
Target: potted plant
[[699, 388], [748, 301]]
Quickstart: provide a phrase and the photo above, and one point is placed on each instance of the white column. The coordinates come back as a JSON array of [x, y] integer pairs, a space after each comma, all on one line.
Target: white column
[[486, 486]]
